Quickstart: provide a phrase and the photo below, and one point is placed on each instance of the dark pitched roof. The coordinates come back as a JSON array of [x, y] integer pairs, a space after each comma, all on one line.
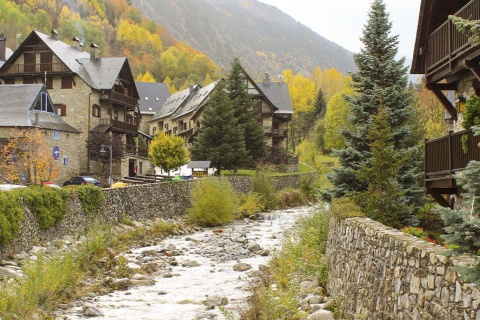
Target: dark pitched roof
[[196, 100], [174, 102], [152, 96], [199, 164], [278, 94], [17, 108]]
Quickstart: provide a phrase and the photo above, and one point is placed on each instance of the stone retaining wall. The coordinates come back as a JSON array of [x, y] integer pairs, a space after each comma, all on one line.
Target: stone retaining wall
[[383, 273], [141, 202]]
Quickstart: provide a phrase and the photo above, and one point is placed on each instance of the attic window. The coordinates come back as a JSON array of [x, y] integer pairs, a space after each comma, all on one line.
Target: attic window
[[44, 103]]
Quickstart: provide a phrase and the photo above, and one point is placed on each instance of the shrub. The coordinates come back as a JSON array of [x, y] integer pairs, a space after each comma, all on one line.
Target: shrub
[[345, 208], [11, 214], [308, 186], [49, 205], [213, 202], [250, 203], [288, 198], [263, 185], [90, 196]]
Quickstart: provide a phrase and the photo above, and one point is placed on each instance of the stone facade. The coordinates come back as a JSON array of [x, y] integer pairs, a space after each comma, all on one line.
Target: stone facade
[[383, 273], [142, 202]]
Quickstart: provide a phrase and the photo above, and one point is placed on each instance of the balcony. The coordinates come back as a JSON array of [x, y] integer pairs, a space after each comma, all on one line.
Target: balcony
[[444, 157], [447, 47], [21, 69], [120, 126], [118, 98]]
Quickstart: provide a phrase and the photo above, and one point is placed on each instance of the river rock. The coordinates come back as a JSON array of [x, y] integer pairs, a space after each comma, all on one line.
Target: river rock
[[307, 286], [216, 300], [90, 310], [191, 264], [321, 315], [7, 273], [242, 267], [121, 284]]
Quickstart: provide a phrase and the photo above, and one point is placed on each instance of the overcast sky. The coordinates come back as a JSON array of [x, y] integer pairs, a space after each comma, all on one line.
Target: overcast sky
[[342, 21]]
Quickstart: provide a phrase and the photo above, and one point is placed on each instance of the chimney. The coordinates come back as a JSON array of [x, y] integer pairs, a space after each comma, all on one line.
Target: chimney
[[190, 87], [3, 48], [93, 52], [266, 79], [76, 43], [54, 34]]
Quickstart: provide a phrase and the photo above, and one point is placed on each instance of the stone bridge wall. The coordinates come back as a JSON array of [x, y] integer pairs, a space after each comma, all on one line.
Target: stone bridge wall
[[384, 273], [141, 202]]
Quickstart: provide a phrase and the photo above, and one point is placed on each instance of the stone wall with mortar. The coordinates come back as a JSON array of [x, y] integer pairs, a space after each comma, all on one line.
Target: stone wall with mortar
[[141, 202], [383, 273]]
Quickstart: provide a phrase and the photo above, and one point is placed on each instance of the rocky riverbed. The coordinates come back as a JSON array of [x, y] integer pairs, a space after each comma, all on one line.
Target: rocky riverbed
[[197, 274]]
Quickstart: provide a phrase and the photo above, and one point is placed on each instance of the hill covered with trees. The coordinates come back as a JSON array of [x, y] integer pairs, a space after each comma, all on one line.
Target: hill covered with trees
[[265, 38], [118, 28]]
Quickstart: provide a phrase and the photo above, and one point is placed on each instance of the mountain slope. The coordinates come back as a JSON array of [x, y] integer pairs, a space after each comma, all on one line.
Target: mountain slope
[[265, 38]]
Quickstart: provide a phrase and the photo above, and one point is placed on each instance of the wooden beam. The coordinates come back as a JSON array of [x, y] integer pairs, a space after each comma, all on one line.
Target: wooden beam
[[444, 86], [473, 66], [439, 198], [443, 99]]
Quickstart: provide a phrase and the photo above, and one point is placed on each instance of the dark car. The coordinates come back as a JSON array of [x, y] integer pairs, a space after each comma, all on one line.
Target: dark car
[[76, 181]]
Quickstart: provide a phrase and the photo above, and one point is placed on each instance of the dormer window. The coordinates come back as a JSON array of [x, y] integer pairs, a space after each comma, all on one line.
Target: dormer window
[[44, 103]]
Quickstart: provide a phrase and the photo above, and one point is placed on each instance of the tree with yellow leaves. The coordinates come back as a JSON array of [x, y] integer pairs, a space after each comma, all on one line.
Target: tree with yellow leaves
[[146, 77], [27, 156]]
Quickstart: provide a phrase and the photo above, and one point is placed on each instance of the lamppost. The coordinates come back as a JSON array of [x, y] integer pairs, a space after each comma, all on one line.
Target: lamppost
[[102, 153]]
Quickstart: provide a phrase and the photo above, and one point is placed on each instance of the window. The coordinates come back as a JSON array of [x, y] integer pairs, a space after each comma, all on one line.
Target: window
[[9, 80], [65, 161], [96, 110], [67, 83], [61, 109], [154, 129], [115, 114], [44, 103], [49, 84], [140, 167], [56, 135], [129, 118]]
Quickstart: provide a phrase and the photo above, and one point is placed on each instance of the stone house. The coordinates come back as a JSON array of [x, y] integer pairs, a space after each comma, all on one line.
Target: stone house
[[27, 106], [92, 93], [451, 66], [152, 96], [182, 112]]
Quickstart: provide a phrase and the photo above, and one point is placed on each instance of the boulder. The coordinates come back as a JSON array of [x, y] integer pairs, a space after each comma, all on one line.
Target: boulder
[[321, 315], [90, 310], [216, 300], [242, 267]]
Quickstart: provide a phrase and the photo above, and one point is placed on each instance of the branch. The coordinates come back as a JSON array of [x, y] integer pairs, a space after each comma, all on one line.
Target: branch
[[470, 27]]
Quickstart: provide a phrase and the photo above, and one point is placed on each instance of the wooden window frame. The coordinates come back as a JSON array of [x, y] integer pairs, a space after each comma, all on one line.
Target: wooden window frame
[[61, 109], [96, 111]]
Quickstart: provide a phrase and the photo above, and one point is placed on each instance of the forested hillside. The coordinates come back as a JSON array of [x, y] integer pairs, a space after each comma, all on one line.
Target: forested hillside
[[265, 38], [118, 28]]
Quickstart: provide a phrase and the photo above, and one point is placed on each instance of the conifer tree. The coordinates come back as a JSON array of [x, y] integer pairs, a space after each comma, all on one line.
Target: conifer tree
[[220, 140], [380, 80], [245, 113]]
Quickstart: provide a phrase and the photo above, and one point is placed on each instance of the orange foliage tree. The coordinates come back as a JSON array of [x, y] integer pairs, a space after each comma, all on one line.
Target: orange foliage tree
[[27, 157]]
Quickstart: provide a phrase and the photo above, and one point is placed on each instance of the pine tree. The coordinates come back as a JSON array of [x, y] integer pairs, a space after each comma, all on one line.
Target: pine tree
[[245, 113], [320, 106], [380, 80], [220, 140]]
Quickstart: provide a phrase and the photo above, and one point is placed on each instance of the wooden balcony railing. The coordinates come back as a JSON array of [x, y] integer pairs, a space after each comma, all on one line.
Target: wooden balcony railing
[[120, 99], [444, 156], [37, 68], [445, 43], [120, 126]]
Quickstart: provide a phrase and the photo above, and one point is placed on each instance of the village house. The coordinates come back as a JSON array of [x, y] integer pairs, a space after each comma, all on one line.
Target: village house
[[92, 94], [182, 112], [450, 64], [28, 106], [152, 96]]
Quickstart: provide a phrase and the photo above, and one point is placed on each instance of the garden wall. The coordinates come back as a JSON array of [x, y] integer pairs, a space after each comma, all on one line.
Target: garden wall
[[384, 273], [141, 202]]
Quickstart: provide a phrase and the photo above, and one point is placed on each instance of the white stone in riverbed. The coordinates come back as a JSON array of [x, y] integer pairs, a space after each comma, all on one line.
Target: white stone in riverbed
[[7, 273], [242, 267], [321, 315], [216, 300], [90, 310]]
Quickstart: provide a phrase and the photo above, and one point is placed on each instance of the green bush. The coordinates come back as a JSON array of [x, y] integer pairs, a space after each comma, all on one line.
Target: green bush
[[345, 208], [308, 186], [90, 196], [263, 185], [289, 198], [49, 205], [11, 214], [213, 202]]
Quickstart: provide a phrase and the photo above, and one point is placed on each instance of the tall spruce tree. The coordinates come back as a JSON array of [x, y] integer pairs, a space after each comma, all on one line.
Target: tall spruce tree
[[380, 80], [245, 113], [220, 140]]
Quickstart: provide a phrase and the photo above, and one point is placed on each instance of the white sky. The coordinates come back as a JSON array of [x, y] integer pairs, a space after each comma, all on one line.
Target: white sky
[[342, 21]]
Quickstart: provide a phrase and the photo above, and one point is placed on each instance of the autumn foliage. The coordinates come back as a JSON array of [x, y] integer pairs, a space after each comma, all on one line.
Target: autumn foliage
[[27, 157]]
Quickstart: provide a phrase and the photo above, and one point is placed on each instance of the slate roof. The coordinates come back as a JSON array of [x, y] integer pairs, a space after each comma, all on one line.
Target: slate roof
[[16, 108], [196, 100], [174, 102], [152, 96], [278, 94], [199, 164]]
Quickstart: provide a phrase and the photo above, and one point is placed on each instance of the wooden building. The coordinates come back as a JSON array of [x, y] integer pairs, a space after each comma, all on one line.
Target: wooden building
[[450, 64]]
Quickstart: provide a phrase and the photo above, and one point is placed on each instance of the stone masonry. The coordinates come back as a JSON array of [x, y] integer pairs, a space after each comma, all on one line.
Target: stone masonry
[[383, 273]]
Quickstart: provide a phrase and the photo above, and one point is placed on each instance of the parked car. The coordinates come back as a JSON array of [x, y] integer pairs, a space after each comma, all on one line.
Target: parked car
[[50, 184], [79, 180]]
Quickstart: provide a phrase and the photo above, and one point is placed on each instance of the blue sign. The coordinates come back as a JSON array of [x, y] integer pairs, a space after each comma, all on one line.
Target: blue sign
[[56, 152]]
